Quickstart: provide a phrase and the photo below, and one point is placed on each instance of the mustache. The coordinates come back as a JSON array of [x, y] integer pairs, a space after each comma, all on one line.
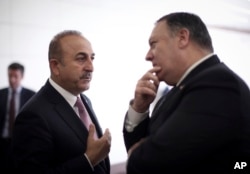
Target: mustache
[[86, 75]]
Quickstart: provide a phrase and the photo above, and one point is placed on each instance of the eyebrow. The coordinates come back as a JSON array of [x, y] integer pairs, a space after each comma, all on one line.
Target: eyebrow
[[85, 54], [150, 41]]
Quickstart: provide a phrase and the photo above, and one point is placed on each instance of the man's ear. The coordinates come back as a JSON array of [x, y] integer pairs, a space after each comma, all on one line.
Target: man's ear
[[54, 66], [183, 36]]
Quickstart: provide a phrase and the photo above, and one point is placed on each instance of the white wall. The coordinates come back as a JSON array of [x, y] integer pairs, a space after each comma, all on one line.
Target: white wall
[[119, 32]]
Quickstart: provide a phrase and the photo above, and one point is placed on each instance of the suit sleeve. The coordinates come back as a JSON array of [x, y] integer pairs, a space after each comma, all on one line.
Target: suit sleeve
[[34, 148], [139, 132], [202, 122]]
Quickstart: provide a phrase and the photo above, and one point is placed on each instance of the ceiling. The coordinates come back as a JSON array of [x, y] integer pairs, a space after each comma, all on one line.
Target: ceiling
[[231, 15]]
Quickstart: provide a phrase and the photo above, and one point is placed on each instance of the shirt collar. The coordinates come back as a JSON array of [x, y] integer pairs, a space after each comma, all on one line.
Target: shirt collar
[[18, 90], [193, 66], [70, 98]]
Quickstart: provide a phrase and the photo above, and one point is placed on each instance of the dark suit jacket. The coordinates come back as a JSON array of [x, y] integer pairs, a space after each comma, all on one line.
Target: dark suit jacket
[[202, 126], [25, 95], [50, 138]]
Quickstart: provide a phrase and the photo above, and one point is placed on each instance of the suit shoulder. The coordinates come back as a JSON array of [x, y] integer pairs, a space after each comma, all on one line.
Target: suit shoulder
[[30, 91], [86, 98], [3, 90]]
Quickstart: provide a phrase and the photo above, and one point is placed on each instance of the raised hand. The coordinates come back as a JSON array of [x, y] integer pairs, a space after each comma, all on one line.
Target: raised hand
[[98, 149], [146, 90]]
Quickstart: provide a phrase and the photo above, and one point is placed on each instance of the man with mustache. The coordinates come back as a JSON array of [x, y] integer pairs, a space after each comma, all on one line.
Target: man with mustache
[[57, 131]]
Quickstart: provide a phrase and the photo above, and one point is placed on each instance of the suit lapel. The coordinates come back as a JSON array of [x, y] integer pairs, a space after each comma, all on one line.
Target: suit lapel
[[92, 115], [5, 101], [22, 98], [3, 110], [164, 109], [66, 112], [72, 120], [105, 163], [168, 103], [200, 68]]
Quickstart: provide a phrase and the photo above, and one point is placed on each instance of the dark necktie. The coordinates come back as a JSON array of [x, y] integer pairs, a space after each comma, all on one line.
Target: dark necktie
[[163, 99], [12, 112], [83, 112]]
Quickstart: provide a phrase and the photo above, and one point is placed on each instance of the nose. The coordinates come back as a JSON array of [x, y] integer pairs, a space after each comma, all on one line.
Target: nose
[[12, 81], [149, 56], [89, 65]]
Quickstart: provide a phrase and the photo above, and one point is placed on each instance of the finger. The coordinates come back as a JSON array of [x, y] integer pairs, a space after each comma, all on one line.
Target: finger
[[155, 69], [147, 86], [91, 130], [150, 77], [107, 135], [154, 80], [150, 84]]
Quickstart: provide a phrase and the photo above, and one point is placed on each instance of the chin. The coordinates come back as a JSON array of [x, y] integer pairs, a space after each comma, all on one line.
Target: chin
[[85, 87], [159, 76]]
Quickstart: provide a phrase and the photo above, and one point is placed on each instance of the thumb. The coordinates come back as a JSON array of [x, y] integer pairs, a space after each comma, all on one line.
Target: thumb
[[106, 133]]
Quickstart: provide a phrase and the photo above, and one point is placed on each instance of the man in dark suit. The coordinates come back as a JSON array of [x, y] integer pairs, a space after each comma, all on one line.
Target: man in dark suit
[[49, 134], [202, 125], [20, 97]]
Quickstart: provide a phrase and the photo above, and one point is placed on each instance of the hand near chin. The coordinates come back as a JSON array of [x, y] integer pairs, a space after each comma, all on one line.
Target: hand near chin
[[146, 90]]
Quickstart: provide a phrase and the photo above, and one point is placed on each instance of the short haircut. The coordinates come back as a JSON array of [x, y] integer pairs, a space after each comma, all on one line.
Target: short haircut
[[16, 66], [55, 48], [198, 30]]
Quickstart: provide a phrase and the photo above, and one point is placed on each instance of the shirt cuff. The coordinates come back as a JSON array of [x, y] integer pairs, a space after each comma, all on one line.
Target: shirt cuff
[[86, 156], [134, 118]]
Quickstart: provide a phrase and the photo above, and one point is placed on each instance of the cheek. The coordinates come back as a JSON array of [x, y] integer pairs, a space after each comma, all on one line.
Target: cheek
[[70, 74], [65, 71], [166, 67], [161, 53]]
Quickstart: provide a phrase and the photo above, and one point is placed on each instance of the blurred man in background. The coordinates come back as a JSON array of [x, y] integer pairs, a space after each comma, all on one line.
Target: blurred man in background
[[12, 99]]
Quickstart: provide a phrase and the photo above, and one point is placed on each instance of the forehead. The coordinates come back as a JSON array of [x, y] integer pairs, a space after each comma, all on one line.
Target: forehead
[[159, 30], [74, 43], [14, 72]]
